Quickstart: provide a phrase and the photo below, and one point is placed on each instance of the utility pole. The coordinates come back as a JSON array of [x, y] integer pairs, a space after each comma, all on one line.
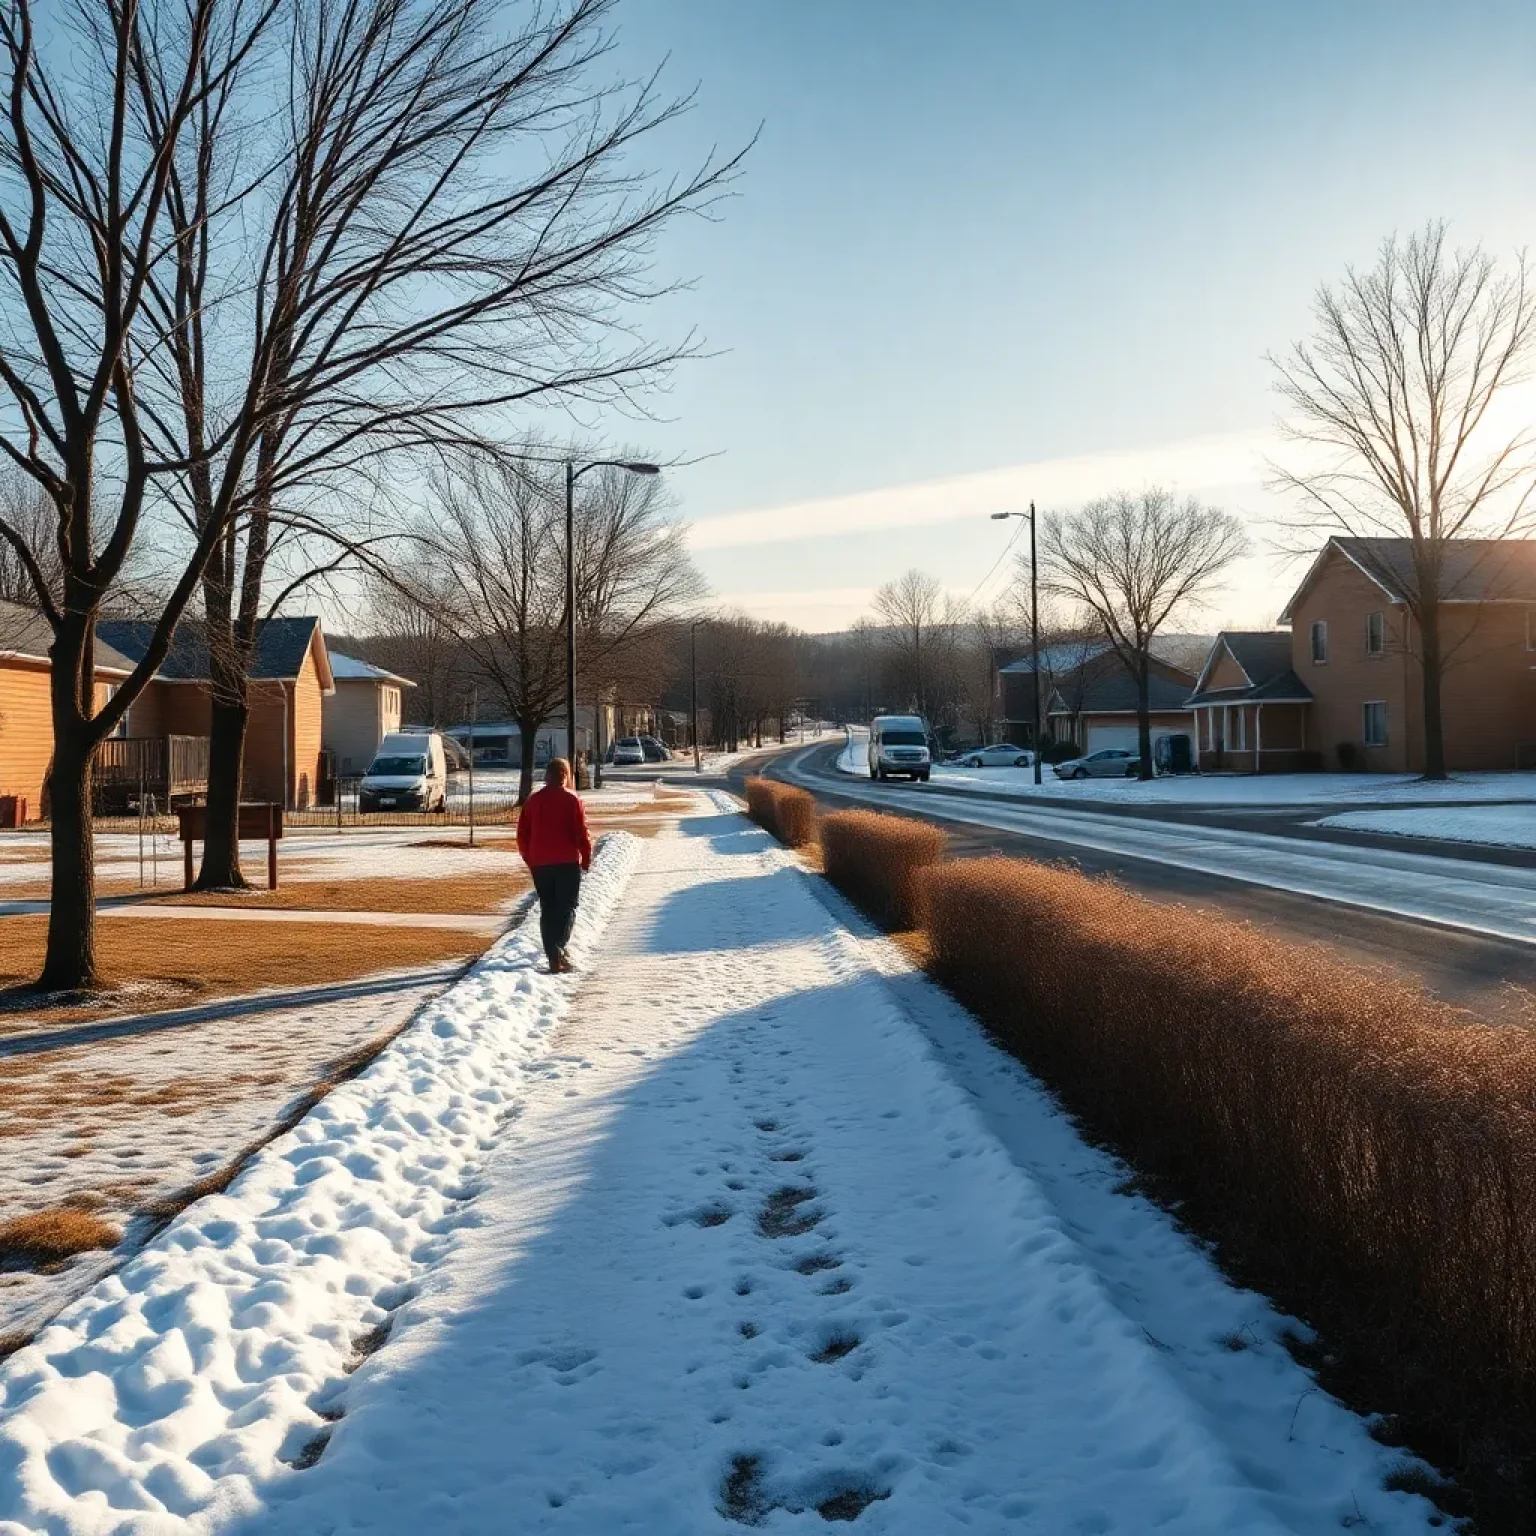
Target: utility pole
[[693, 647], [573, 473], [1034, 628], [474, 716]]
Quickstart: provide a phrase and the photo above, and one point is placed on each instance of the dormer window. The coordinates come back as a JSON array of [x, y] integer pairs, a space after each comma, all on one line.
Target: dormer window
[[1375, 634], [1319, 641]]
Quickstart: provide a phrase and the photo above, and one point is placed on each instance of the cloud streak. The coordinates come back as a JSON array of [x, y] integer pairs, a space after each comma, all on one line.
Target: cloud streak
[[1190, 466]]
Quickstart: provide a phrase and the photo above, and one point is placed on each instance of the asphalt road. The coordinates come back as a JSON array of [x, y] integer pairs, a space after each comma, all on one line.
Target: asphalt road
[[1494, 976]]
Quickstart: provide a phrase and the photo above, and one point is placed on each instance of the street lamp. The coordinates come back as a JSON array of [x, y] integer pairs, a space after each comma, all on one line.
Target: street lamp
[[573, 473], [693, 652], [1034, 626]]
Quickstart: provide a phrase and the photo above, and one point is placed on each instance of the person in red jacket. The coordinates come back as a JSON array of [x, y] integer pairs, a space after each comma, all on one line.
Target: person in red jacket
[[553, 840]]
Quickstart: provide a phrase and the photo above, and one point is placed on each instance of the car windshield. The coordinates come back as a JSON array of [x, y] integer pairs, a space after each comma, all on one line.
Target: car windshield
[[397, 766], [630, 742], [902, 739]]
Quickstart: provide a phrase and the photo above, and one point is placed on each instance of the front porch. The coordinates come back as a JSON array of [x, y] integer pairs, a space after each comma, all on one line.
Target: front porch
[[1244, 737]]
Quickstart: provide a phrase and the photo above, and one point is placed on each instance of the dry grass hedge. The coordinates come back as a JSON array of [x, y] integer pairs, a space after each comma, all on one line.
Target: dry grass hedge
[[1361, 1150], [788, 813], [875, 860]]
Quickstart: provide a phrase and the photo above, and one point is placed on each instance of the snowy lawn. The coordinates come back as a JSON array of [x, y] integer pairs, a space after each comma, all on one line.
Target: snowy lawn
[[761, 1229], [113, 1117], [187, 1384], [1509, 826], [1255, 790]]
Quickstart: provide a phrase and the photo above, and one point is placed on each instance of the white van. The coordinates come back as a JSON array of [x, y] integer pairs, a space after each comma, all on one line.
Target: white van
[[899, 744], [409, 772]]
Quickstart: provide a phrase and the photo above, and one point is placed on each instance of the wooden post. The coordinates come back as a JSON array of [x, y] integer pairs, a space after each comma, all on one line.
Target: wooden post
[[186, 844], [271, 849]]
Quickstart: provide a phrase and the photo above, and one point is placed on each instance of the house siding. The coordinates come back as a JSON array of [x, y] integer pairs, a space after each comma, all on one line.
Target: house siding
[[1226, 673], [1342, 596], [357, 717], [307, 727], [26, 732]]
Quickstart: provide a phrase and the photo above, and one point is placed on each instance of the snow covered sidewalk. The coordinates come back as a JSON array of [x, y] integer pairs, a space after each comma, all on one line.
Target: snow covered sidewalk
[[748, 1256], [726, 1239]]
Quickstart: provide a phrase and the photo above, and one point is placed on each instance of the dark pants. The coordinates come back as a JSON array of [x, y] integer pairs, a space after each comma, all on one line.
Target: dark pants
[[559, 888]]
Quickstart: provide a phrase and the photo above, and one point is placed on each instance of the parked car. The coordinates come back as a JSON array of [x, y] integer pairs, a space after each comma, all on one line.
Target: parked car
[[1106, 763], [655, 751], [1001, 754], [409, 772], [628, 750], [899, 744]]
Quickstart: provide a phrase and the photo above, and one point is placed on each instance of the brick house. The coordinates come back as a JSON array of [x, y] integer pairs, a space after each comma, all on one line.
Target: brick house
[[1343, 686], [289, 680], [26, 715], [1250, 708], [1089, 698]]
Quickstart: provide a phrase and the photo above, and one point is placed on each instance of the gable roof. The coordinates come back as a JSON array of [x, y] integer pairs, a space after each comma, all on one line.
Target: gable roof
[[281, 646], [1264, 658], [25, 633], [349, 669], [1066, 656], [1473, 570], [1113, 692]]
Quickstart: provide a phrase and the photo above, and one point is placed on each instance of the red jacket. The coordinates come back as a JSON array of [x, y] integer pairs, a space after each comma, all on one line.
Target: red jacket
[[552, 829]]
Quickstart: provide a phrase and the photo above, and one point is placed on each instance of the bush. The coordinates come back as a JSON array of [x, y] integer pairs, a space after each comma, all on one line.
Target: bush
[[1363, 1151], [1349, 757], [875, 860], [788, 813], [1060, 752]]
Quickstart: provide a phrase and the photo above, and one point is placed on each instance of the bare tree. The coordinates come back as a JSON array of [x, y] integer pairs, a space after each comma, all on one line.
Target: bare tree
[[1395, 390], [500, 561], [411, 635], [453, 221], [919, 623], [1134, 560]]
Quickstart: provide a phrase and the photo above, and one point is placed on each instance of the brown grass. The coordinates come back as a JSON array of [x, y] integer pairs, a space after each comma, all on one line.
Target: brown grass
[[466, 894], [788, 813], [875, 860], [49, 1237], [164, 962], [1357, 1148]]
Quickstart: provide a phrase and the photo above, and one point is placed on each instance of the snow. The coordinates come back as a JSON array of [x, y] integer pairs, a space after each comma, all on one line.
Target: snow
[[1507, 826], [1254, 790], [758, 1218], [121, 1112], [179, 1385]]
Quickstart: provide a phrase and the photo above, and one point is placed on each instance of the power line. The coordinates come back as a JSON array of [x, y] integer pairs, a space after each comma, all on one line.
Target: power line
[[1019, 527]]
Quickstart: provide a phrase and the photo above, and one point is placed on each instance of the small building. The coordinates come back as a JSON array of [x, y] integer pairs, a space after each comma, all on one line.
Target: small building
[[1088, 696], [290, 676], [1250, 706], [26, 712], [360, 713]]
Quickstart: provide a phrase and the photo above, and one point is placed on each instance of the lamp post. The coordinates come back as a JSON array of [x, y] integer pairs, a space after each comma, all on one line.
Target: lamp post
[[573, 473], [1034, 627], [693, 656]]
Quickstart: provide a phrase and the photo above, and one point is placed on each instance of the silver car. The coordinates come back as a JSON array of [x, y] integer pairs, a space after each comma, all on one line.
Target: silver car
[[1106, 763], [1001, 754]]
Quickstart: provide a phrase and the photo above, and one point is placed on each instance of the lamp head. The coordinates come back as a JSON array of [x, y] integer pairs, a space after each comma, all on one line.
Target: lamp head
[[998, 517], [642, 469]]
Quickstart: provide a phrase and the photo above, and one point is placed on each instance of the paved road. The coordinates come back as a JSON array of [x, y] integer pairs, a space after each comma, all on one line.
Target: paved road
[[1466, 926]]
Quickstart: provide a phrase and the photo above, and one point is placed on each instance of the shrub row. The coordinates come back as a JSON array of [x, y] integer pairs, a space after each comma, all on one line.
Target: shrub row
[[877, 861], [1359, 1149], [788, 813]]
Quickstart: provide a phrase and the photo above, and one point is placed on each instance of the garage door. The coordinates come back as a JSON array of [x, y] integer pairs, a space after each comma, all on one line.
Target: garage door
[[1111, 736]]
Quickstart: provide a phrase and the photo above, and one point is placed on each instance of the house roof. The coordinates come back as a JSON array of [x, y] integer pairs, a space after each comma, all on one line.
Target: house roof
[[281, 646], [348, 669], [1264, 657], [1473, 570], [1113, 692], [1065, 657], [24, 632]]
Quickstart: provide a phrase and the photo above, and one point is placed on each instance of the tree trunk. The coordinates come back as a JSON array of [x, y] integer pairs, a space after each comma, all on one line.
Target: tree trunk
[[1144, 720], [1434, 667], [528, 740], [70, 961], [226, 754]]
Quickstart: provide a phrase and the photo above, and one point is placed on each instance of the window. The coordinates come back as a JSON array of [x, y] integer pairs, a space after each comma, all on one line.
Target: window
[[1375, 634], [1319, 641], [1375, 724]]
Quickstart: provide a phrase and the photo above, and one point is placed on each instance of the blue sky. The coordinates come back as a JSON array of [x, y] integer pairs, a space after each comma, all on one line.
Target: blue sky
[[988, 250]]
